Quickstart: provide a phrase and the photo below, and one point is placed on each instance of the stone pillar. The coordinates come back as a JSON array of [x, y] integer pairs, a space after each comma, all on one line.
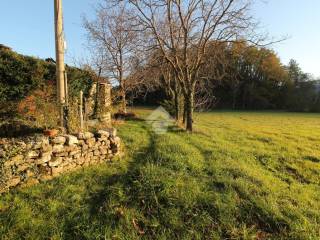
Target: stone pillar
[[104, 103]]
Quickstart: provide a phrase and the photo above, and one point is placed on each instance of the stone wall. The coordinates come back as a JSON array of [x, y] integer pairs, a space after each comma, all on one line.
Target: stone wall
[[38, 158]]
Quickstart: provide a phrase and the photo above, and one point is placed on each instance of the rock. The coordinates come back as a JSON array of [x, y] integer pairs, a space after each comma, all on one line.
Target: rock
[[77, 156], [112, 131], [57, 148], [32, 154], [44, 159], [91, 142], [85, 135], [85, 147], [45, 154], [104, 151], [2, 153], [16, 160], [59, 140], [80, 161], [72, 153], [103, 134], [13, 182], [71, 140], [56, 161], [44, 170], [40, 141], [61, 154], [23, 167], [96, 153], [57, 171], [46, 148]]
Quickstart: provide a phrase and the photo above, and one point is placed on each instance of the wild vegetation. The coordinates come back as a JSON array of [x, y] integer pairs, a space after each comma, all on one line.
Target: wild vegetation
[[27, 90], [242, 175]]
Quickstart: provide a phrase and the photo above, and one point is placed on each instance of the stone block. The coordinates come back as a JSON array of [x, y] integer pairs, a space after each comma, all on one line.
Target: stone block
[[44, 159], [32, 154], [13, 182], [56, 161], [103, 134], [71, 140], [91, 142], [58, 140], [61, 154], [56, 171], [58, 148], [96, 153], [23, 167], [112, 131]]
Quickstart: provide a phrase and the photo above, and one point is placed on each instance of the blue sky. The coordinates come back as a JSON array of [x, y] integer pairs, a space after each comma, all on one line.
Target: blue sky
[[27, 27]]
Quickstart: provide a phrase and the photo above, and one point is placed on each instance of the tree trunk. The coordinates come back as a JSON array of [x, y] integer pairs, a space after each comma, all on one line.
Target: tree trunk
[[176, 105], [123, 100], [189, 102]]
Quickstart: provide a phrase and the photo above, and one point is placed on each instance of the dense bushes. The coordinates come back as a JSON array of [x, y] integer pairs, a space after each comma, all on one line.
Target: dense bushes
[[20, 75], [28, 92]]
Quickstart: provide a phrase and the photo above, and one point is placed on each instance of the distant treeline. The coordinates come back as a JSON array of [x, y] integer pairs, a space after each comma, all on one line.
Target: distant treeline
[[20, 75], [246, 78]]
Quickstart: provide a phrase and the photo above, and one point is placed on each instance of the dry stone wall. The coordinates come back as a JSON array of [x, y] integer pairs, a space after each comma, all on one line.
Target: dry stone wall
[[38, 158]]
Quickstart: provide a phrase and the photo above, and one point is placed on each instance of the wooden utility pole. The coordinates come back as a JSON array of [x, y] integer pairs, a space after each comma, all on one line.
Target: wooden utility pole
[[60, 67]]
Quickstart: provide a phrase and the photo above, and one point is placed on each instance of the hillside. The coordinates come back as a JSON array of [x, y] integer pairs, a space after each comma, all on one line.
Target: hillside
[[242, 175]]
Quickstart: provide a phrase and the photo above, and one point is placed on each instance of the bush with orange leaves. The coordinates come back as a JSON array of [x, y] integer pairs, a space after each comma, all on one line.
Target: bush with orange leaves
[[39, 109]]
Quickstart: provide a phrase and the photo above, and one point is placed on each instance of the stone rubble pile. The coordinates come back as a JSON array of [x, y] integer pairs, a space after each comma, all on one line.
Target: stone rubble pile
[[32, 160]]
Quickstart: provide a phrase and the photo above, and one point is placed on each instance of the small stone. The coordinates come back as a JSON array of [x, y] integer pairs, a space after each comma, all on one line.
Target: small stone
[[45, 154], [40, 141], [46, 148], [57, 148], [44, 170], [86, 135], [33, 154], [58, 140], [112, 131], [44, 159], [16, 160], [103, 151], [2, 153], [61, 154], [74, 152], [77, 156], [91, 142], [103, 134], [71, 140], [85, 147], [56, 161], [13, 182], [57, 171], [23, 167], [96, 153]]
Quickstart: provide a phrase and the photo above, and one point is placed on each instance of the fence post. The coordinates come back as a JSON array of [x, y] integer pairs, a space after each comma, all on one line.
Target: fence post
[[81, 112]]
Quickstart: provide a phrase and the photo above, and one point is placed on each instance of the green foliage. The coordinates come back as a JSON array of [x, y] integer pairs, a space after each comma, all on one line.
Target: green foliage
[[19, 75], [241, 176]]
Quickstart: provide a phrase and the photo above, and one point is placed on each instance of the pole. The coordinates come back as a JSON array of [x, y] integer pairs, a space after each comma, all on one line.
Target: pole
[[81, 112], [60, 67]]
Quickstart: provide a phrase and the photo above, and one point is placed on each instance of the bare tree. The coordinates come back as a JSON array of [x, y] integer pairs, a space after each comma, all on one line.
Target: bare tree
[[111, 32], [181, 30]]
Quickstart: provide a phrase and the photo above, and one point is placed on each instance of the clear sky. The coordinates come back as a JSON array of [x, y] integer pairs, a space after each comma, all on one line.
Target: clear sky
[[27, 27]]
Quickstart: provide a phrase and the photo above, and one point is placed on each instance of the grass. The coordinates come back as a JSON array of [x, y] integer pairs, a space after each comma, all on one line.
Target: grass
[[242, 175]]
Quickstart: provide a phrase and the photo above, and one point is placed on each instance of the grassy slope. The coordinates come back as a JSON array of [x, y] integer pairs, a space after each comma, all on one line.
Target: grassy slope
[[242, 175]]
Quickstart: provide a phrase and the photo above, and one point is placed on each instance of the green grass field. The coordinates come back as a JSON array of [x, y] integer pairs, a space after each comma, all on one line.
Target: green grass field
[[242, 175]]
